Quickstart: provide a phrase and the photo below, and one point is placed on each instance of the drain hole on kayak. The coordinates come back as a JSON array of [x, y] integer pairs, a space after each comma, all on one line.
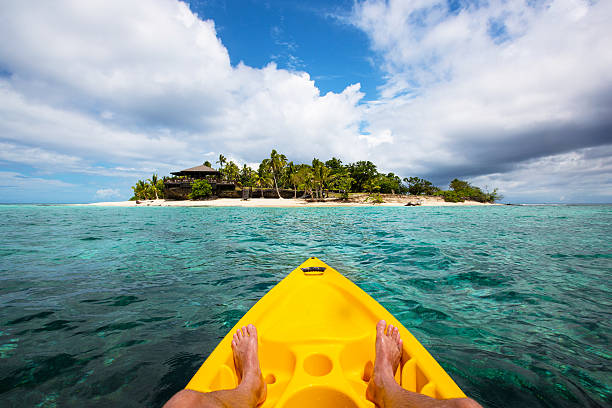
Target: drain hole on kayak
[[317, 365], [270, 379]]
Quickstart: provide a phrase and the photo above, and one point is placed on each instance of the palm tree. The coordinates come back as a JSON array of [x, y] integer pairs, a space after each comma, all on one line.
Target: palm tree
[[153, 181], [324, 177], [261, 183], [277, 163], [246, 176], [263, 175], [321, 176], [305, 177], [291, 173], [140, 190], [222, 160], [232, 171], [254, 180]]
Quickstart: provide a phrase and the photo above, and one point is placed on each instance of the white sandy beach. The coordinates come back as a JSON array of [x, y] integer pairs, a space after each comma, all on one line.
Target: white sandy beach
[[390, 201]]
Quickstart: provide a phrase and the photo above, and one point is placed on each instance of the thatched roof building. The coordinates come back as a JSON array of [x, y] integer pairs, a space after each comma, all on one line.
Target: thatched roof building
[[197, 172]]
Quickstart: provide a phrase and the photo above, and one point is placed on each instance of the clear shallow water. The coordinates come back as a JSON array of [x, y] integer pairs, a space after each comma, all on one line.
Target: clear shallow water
[[119, 306]]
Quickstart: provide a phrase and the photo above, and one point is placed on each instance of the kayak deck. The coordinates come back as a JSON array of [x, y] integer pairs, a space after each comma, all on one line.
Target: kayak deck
[[316, 336]]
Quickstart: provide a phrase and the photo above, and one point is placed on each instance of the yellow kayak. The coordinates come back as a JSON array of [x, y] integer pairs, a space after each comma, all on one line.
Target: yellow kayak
[[316, 339]]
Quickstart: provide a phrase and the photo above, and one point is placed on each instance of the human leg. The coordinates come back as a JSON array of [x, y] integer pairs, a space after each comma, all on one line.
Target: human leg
[[385, 392], [251, 389]]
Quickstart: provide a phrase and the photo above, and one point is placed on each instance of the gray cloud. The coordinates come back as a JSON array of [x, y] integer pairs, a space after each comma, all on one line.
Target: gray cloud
[[503, 154], [481, 106]]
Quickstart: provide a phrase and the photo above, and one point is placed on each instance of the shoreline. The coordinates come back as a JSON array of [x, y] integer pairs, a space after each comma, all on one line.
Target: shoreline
[[394, 201]]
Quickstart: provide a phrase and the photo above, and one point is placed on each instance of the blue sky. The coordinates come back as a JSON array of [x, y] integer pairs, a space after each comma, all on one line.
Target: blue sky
[[515, 95], [307, 36]]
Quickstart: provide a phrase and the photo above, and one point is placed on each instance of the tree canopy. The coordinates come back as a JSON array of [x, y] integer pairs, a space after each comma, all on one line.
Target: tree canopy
[[461, 190], [200, 189], [418, 186]]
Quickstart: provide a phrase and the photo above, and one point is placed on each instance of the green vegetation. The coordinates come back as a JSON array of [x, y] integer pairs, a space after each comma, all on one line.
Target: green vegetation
[[376, 198], [461, 190], [419, 186], [231, 172], [200, 189], [277, 164], [150, 189], [222, 160], [317, 179]]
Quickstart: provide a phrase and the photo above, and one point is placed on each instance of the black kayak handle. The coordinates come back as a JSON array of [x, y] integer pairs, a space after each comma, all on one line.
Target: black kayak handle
[[317, 269]]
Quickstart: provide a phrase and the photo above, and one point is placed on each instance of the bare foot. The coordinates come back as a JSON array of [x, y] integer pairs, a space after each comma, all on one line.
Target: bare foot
[[388, 355], [246, 360]]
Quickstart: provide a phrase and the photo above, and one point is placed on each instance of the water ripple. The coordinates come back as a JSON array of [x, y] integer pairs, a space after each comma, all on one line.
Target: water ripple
[[119, 306]]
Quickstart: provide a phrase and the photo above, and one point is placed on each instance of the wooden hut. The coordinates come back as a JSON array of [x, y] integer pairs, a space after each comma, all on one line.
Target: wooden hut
[[179, 186]]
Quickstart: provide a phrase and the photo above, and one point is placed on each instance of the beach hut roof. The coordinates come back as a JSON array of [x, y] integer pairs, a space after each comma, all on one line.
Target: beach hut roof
[[201, 169]]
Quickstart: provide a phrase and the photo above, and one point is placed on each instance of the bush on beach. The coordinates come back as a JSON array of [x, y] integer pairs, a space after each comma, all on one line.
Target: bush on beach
[[376, 198], [200, 189]]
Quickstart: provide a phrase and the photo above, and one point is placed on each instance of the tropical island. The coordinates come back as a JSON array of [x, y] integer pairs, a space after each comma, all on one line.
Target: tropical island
[[320, 183]]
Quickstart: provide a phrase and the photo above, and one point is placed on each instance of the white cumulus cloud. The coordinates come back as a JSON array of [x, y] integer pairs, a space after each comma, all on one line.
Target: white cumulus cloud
[[128, 82], [486, 88], [115, 88]]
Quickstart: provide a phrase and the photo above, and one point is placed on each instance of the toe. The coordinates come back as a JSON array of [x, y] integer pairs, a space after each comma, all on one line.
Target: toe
[[244, 332], [239, 334], [380, 328], [251, 330]]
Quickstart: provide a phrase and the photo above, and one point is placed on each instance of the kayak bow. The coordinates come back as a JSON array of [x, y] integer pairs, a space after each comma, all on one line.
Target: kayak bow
[[316, 339]]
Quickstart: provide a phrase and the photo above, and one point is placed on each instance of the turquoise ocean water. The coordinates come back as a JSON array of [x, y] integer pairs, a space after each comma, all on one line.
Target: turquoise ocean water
[[104, 307]]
